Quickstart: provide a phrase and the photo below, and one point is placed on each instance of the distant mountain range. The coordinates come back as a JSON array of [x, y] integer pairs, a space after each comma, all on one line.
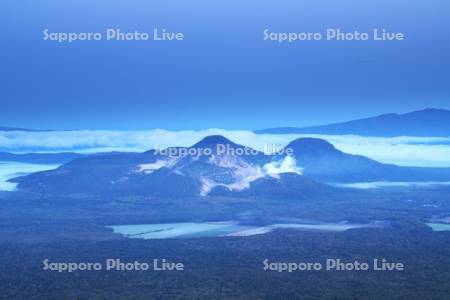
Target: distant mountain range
[[216, 166], [39, 158], [427, 122], [19, 129]]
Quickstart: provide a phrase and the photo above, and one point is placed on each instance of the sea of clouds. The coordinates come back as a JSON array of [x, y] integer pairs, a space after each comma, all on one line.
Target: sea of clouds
[[10, 170], [407, 151]]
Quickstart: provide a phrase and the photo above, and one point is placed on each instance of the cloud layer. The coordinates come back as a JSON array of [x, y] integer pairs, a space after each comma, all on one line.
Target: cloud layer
[[409, 151], [11, 170]]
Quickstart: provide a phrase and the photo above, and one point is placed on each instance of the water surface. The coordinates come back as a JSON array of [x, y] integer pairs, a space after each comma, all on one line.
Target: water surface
[[222, 229], [439, 226]]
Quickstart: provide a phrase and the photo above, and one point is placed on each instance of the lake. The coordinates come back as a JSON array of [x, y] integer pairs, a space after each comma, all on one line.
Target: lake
[[223, 229], [439, 226]]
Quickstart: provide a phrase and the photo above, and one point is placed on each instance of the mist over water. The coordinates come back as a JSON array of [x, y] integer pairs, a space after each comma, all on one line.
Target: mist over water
[[10, 170], [404, 151], [390, 184]]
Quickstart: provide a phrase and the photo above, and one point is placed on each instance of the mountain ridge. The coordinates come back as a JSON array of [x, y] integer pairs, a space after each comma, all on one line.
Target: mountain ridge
[[426, 122], [40, 158], [313, 164], [4, 128]]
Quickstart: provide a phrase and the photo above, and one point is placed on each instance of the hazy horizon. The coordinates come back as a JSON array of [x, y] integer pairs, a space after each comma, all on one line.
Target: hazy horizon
[[210, 128], [224, 74]]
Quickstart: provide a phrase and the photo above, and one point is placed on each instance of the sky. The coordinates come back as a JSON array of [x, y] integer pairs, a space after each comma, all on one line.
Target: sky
[[223, 75]]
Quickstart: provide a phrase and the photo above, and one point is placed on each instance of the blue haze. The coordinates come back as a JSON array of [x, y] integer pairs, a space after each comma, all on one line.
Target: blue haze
[[224, 75]]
